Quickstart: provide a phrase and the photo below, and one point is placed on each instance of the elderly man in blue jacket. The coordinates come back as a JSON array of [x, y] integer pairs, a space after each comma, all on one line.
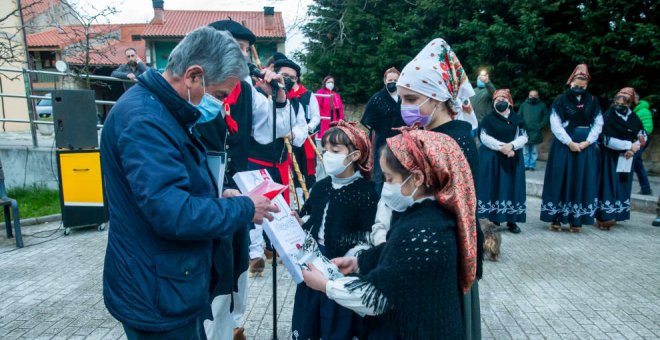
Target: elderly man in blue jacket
[[165, 209]]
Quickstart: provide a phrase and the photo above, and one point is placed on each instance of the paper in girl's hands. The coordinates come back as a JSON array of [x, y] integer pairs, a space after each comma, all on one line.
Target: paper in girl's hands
[[268, 189], [309, 252], [284, 231]]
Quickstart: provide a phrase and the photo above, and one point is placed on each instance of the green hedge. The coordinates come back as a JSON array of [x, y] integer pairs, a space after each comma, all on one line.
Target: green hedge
[[36, 201]]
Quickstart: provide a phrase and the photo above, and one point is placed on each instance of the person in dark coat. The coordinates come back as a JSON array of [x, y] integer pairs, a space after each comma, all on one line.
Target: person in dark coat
[[570, 189], [411, 286], [133, 68], [482, 100], [622, 133], [381, 115], [164, 204], [536, 116], [230, 133]]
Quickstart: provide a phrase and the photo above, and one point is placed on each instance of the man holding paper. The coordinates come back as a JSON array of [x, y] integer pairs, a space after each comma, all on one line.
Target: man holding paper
[[163, 201]]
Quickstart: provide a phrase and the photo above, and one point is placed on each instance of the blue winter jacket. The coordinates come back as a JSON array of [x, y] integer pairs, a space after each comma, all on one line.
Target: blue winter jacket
[[164, 210]]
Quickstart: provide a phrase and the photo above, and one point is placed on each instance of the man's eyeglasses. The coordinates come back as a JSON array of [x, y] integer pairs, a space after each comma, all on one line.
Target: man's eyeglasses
[[293, 78]]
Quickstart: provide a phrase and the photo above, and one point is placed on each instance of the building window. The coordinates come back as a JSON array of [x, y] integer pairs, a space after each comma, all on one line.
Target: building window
[[48, 59], [136, 37]]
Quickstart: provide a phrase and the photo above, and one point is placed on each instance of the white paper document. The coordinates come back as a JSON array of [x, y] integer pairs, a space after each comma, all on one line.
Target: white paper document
[[623, 164], [285, 233], [310, 253], [217, 162]]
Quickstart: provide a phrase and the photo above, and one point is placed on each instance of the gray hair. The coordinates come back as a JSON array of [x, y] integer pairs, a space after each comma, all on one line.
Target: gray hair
[[215, 51]]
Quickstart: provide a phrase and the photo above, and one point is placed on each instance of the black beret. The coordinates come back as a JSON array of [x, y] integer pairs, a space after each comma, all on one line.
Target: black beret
[[287, 63], [237, 30], [278, 56]]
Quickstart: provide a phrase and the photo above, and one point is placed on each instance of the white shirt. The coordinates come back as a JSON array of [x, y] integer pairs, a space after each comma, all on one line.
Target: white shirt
[[494, 144], [262, 118], [381, 223], [558, 128], [468, 117], [314, 113], [336, 290]]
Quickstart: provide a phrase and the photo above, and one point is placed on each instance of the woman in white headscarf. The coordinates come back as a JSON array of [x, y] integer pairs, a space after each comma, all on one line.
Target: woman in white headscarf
[[435, 91]]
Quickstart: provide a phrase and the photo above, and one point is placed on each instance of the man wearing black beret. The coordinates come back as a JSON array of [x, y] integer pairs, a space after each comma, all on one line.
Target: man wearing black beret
[[245, 121]]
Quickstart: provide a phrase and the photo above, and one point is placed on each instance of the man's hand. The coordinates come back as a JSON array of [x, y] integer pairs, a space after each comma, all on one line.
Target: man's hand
[[263, 86], [506, 148], [575, 147], [628, 154], [511, 154], [584, 145], [231, 193], [130, 76], [346, 264], [262, 209], [269, 76], [314, 278]]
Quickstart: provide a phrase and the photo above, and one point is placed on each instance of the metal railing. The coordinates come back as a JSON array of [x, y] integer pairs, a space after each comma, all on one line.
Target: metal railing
[[32, 120]]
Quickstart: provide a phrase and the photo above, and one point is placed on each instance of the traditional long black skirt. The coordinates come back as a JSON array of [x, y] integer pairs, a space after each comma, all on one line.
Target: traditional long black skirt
[[615, 189], [570, 188], [315, 316], [502, 193]]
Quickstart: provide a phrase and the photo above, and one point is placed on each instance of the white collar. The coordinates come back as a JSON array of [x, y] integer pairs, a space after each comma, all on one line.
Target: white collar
[[342, 182]]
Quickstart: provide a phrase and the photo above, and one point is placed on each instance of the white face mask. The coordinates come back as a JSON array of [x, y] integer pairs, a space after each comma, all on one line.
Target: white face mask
[[333, 163], [330, 86], [394, 198]]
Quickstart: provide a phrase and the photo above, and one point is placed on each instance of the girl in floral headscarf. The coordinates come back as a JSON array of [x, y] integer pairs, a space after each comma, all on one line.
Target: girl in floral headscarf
[[340, 211], [621, 137], [413, 283]]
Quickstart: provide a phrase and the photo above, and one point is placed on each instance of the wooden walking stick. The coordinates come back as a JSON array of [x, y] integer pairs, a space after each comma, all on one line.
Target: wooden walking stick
[[316, 151], [255, 56], [296, 168], [292, 190]]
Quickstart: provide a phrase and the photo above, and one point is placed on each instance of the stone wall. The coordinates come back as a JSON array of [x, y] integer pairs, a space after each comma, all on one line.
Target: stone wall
[[27, 166]]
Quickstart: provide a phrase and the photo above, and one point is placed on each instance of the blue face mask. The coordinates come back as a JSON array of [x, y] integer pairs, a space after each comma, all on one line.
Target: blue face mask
[[480, 84], [209, 106]]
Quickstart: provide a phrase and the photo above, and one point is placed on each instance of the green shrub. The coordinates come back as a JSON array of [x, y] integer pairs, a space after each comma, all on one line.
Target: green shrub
[[35, 201]]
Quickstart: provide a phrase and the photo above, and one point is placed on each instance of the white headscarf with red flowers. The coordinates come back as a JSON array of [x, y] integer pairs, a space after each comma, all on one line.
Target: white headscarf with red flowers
[[437, 73]]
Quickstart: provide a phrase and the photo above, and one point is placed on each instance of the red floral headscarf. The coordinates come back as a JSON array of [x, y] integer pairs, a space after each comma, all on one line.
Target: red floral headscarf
[[504, 93], [445, 167], [361, 141], [629, 94], [581, 70]]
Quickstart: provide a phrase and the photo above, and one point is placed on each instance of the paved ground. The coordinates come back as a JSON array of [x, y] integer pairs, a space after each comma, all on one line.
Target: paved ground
[[546, 285]]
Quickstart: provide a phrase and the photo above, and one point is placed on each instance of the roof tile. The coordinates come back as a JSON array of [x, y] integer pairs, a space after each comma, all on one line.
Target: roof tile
[[177, 23]]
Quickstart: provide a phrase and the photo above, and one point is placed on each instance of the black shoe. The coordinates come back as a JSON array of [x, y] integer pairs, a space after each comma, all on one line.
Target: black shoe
[[532, 169], [513, 228], [496, 223], [645, 192], [656, 222]]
